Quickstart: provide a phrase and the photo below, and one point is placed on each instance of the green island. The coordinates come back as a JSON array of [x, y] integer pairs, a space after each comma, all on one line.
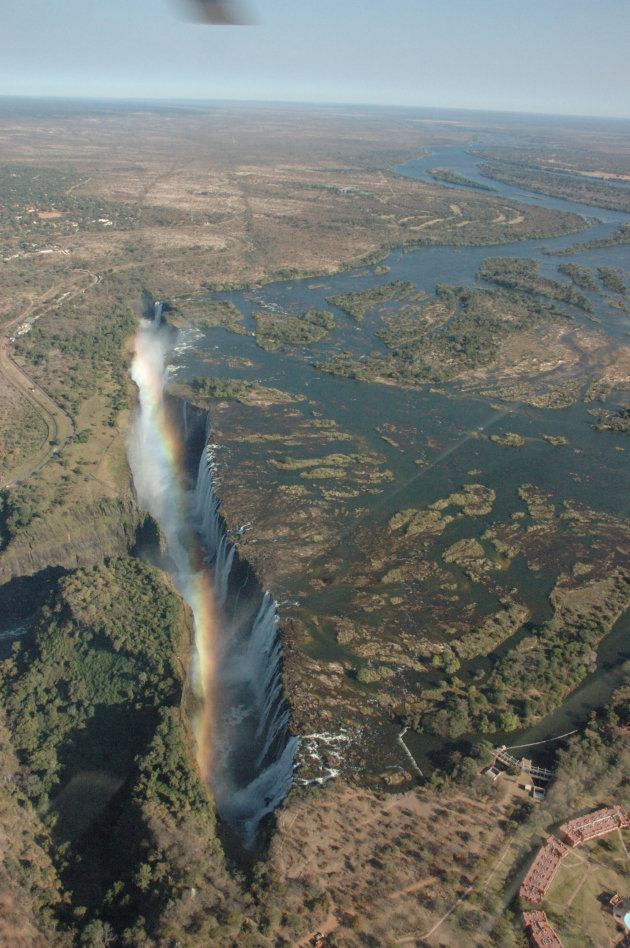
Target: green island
[[420, 475], [275, 332], [580, 276], [612, 280], [619, 237], [572, 187], [522, 275], [357, 304], [618, 421], [460, 330], [449, 176], [232, 390]]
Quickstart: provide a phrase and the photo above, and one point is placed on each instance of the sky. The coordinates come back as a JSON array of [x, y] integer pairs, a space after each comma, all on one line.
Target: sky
[[558, 56]]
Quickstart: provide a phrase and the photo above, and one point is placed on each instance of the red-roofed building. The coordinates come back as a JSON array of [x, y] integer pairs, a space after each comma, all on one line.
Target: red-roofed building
[[594, 824], [540, 876], [540, 932]]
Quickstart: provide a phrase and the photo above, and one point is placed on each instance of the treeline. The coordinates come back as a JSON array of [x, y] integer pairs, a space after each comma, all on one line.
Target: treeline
[[449, 176], [521, 274], [620, 236], [274, 331], [27, 189], [581, 276], [570, 187], [463, 332], [93, 698], [613, 280], [535, 677], [357, 304], [617, 421]]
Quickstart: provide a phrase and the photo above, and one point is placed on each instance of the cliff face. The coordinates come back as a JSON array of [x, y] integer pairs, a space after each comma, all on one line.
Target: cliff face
[[73, 537]]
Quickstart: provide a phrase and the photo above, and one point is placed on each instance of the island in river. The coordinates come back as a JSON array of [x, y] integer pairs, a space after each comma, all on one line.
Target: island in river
[[418, 411]]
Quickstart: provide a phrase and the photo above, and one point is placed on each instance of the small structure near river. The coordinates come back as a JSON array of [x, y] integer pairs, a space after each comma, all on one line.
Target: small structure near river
[[540, 776]]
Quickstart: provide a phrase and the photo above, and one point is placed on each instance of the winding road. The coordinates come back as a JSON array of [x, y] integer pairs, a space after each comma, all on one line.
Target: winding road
[[59, 424]]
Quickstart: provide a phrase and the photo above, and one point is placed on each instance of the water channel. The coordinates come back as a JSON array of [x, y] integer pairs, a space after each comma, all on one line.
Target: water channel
[[594, 473]]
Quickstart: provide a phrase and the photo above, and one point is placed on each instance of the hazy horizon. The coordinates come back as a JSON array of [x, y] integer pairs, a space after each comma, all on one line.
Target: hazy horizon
[[148, 101], [560, 59]]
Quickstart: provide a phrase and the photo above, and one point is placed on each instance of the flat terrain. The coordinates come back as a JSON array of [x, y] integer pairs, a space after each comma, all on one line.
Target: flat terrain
[[576, 897], [100, 204]]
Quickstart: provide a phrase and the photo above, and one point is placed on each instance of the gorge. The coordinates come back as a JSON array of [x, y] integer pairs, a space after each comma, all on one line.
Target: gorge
[[245, 750]]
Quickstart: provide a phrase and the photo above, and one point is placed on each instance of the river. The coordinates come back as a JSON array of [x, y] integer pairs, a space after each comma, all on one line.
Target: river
[[444, 418]]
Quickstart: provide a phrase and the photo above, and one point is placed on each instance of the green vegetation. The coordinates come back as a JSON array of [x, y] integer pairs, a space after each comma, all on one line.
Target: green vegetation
[[619, 237], [439, 341], [617, 421], [40, 200], [274, 332], [237, 390], [571, 187], [23, 430], [612, 280], [82, 355], [450, 176], [94, 704], [357, 304], [207, 314], [535, 677], [18, 507], [92, 699], [30, 885], [581, 276], [108, 640], [494, 630], [521, 274]]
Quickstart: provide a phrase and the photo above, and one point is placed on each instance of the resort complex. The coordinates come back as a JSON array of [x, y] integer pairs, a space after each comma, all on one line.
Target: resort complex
[[541, 874]]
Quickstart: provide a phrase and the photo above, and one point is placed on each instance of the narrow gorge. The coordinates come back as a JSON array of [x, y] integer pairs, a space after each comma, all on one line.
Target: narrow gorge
[[244, 745]]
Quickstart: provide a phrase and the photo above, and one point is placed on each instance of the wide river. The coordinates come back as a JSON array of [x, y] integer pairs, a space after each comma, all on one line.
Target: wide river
[[595, 472]]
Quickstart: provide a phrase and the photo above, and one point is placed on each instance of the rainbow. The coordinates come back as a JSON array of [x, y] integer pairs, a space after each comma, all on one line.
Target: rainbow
[[159, 477]]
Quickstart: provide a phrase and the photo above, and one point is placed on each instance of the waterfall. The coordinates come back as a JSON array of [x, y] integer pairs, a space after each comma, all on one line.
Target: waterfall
[[246, 751], [158, 306], [222, 569], [255, 751]]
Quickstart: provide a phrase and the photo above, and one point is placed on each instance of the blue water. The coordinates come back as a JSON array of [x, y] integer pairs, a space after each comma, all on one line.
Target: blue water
[[445, 428], [467, 164]]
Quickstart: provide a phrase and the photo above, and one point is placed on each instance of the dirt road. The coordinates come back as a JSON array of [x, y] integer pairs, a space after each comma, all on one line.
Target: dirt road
[[59, 424]]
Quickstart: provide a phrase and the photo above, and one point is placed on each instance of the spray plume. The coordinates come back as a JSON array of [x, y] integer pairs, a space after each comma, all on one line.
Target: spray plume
[[245, 750], [155, 455]]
